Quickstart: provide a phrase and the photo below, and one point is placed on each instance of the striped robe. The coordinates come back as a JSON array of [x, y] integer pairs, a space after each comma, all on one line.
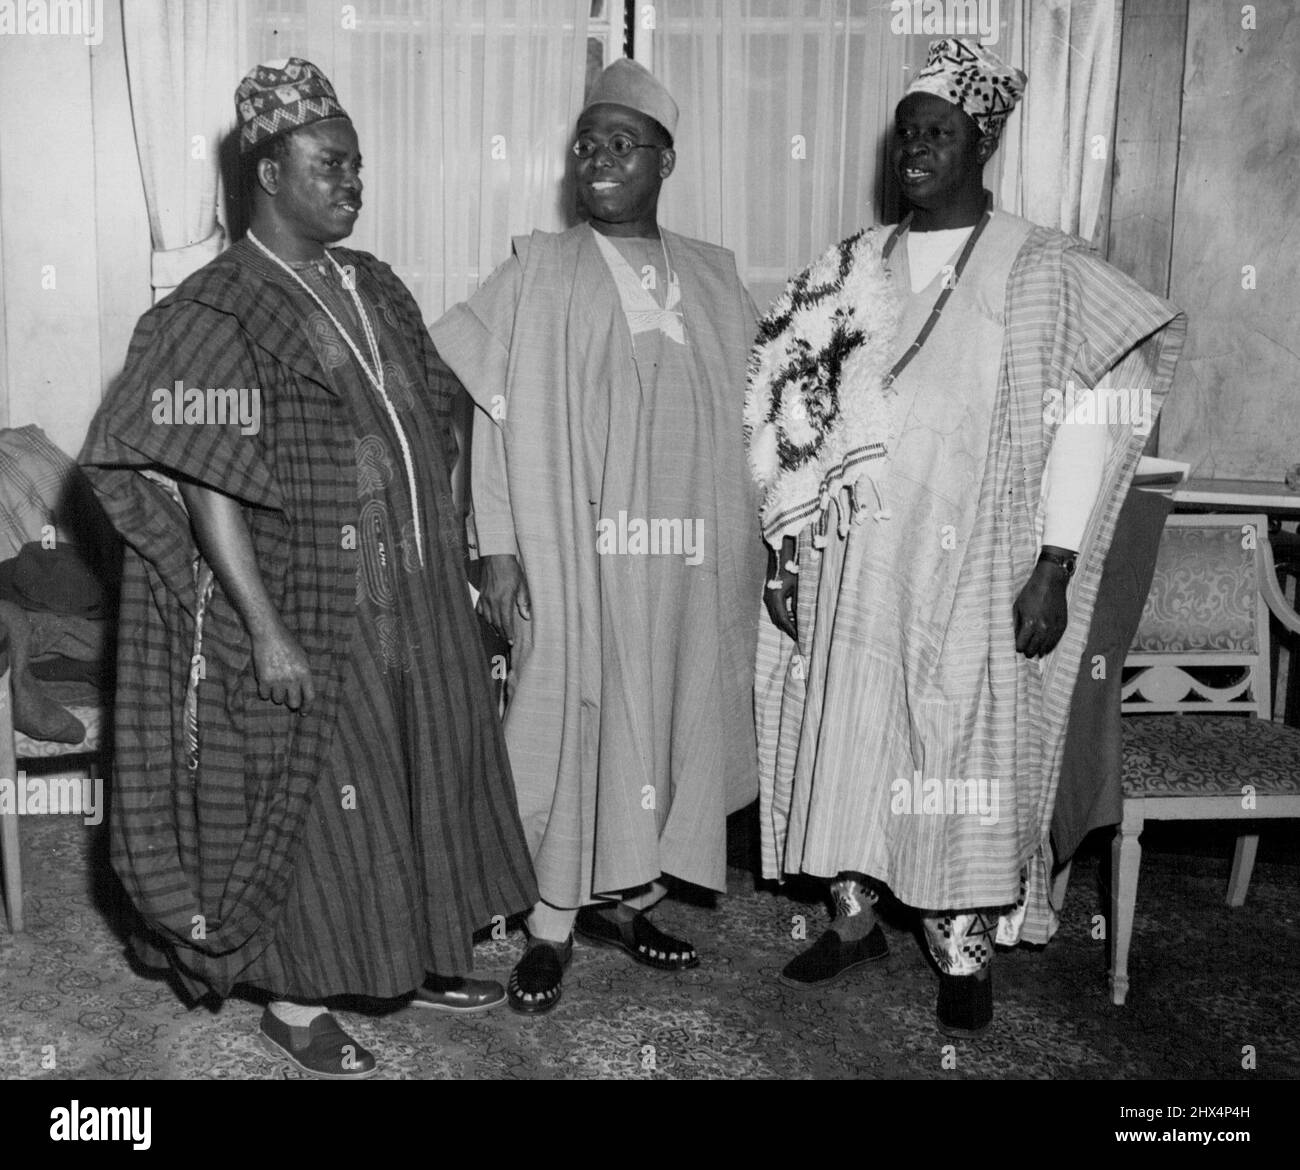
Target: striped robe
[[906, 673], [352, 847]]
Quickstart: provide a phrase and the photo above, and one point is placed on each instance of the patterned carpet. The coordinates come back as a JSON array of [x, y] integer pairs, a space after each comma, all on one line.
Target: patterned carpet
[[1207, 981]]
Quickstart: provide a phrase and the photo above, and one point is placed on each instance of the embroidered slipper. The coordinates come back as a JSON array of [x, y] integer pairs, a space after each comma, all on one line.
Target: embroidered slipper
[[322, 1049], [638, 937], [830, 958], [537, 979]]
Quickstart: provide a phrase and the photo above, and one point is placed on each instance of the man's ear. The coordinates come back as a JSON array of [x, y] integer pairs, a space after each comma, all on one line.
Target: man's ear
[[985, 147], [667, 161], [268, 175]]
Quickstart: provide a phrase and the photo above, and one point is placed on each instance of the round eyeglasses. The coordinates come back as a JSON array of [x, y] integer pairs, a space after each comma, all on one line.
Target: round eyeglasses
[[620, 146]]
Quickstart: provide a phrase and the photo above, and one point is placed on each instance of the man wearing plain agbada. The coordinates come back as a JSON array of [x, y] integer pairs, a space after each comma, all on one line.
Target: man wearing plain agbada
[[618, 533]]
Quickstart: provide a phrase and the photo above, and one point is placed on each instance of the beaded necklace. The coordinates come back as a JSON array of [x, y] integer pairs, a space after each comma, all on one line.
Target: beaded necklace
[[949, 285]]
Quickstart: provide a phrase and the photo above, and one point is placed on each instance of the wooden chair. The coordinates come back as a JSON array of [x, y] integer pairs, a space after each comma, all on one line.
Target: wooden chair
[[1286, 557], [41, 489], [21, 754], [1199, 741], [9, 857]]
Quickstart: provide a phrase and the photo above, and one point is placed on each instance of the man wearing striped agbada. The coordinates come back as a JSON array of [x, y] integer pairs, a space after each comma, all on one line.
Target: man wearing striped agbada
[[312, 797], [940, 493]]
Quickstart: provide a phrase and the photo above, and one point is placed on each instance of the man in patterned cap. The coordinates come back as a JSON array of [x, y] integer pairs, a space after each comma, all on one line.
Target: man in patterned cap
[[312, 794], [935, 585], [618, 538]]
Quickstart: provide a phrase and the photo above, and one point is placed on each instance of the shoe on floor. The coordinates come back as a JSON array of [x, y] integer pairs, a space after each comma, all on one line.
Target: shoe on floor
[[830, 957], [459, 995], [638, 937], [322, 1049], [537, 980], [965, 1005]]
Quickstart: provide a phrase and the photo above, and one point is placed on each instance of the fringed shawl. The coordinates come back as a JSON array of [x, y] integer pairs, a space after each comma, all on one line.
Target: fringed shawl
[[818, 407]]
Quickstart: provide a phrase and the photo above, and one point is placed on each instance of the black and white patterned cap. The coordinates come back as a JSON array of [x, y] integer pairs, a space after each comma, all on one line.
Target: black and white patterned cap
[[973, 79], [280, 96]]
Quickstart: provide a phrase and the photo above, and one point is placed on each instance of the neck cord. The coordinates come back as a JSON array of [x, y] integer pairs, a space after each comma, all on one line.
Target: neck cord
[[949, 285], [374, 369]]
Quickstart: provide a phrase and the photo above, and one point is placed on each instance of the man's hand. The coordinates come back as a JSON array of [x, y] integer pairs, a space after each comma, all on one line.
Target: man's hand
[[782, 604], [221, 533], [503, 595], [283, 671], [1041, 611]]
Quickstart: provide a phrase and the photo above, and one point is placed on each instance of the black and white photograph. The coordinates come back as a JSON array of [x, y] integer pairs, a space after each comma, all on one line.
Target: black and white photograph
[[693, 540]]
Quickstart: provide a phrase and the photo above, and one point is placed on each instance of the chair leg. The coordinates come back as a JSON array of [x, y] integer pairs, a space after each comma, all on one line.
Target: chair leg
[[9, 855], [13, 874], [1125, 861], [1243, 863]]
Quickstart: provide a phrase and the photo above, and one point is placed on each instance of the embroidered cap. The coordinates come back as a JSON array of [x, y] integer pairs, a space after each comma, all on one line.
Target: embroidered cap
[[280, 96], [973, 79], [625, 83]]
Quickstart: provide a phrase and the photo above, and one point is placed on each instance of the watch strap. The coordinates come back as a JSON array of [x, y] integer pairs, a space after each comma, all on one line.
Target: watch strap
[[1061, 561]]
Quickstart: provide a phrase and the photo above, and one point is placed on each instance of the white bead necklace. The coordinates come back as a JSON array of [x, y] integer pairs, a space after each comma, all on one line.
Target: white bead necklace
[[374, 372]]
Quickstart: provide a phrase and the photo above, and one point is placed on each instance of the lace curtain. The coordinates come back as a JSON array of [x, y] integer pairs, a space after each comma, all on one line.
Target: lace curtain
[[786, 105], [1056, 151], [181, 57], [464, 110]]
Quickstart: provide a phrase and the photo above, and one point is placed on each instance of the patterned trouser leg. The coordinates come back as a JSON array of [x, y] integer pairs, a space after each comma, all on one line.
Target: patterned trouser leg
[[852, 892], [961, 944]]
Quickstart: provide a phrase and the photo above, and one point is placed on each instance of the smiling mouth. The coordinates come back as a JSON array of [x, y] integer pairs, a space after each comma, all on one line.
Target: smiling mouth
[[604, 185], [915, 175], [350, 208]]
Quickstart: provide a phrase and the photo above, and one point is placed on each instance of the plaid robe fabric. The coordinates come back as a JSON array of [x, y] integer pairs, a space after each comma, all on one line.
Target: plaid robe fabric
[[208, 855]]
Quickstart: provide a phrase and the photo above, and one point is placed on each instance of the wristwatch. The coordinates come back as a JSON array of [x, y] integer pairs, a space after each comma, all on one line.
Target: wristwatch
[[1062, 561]]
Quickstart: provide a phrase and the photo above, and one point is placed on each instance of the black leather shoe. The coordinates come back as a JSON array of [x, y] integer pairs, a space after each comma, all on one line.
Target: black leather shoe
[[830, 957], [965, 1004], [463, 997], [638, 937], [322, 1049], [535, 983]]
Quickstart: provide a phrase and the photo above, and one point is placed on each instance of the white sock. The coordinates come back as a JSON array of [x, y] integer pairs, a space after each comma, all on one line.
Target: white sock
[[551, 923], [296, 1015]]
